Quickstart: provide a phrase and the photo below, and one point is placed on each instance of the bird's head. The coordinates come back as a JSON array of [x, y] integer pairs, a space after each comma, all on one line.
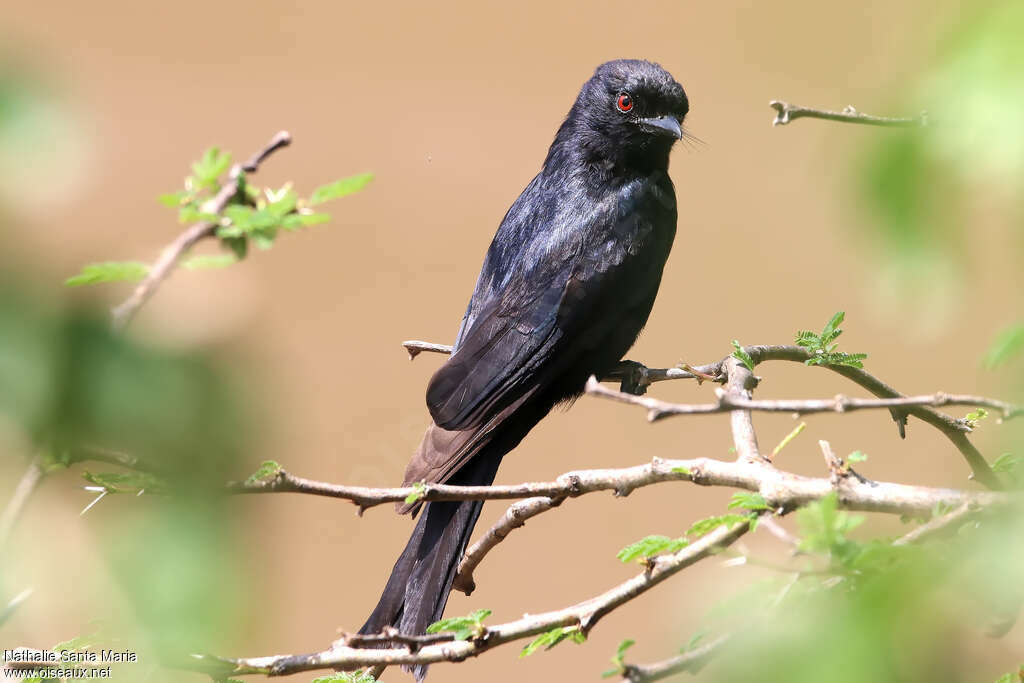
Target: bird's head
[[629, 109]]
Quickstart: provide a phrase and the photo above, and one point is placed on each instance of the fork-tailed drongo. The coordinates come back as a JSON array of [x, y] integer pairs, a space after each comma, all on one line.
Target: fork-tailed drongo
[[566, 287]]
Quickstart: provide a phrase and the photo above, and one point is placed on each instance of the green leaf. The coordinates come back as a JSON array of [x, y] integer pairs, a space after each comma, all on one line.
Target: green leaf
[[650, 546], [808, 339], [210, 166], [742, 356], [268, 469], [419, 488], [824, 528], [346, 677], [463, 628], [823, 349], [857, 456], [191, 214], [1008, 345], [175, 199], [109, 271], [1007, 463], [295, 221], [239, 245], [704, 526], [340, 188], [974, 417], [284, 202], [209, 261], [549, 639], [832, 330], [682, 470], [853, 360], [747, 500], [619, 660]]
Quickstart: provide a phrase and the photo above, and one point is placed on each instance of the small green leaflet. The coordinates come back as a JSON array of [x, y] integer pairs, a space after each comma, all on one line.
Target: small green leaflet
[[619, 660], [681, 470], [704, 526], [191, 214], [173, 199], [549, 639], [210, 167], [1007, 463], [974, 417], [109, 271], [268, 469], [463, 628], [857, 456], [748, 500], [742, 356], [346, 677], [340, 188], [824, 527], [210, 261], [650, 546], [294, 221], [419, 488], [823, 347]]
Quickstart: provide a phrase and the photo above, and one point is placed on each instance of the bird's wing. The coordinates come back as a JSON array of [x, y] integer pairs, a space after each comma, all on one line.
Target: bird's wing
[[498, 357], [518, 340]]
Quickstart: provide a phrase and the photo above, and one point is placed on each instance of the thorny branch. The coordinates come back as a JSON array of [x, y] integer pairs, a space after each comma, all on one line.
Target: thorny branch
[[956, 430], [173, 252], [783, 491], [657, 410], [787, 112], [583, 615]]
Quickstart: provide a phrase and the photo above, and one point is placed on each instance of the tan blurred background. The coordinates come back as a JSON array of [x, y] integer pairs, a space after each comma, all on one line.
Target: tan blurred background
[[452, 106]]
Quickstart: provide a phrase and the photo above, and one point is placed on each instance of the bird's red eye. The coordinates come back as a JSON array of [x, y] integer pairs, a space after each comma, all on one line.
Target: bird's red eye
[[624, 103]]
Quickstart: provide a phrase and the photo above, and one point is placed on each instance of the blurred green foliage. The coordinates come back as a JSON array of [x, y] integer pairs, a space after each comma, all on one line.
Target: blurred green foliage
[[69, 384], [253, 216]]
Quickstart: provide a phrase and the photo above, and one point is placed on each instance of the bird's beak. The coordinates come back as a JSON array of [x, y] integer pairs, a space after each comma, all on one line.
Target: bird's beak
[[662, 125]]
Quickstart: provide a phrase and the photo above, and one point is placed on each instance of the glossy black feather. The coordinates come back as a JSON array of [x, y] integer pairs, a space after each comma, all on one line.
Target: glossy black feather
[[566, 286]]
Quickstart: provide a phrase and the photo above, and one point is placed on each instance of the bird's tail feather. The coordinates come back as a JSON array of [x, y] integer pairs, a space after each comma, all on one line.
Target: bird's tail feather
[[418, 588]]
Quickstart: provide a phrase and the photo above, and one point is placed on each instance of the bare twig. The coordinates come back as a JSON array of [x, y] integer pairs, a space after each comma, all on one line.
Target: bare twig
[[22, 492], [740, 382], [629, 372], [938, 526], [415, 348], [584, 615], [787, 112], [394, 636], [954, 429], [171, 254], [779, 488], [515, 516], [657, 410], [692, 661], [834, 463]]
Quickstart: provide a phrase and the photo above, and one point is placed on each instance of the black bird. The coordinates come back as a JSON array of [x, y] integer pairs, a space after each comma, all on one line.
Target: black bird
[[566, 287]]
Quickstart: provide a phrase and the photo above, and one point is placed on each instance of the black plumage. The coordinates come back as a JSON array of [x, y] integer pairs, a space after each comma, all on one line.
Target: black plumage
[[565, 288]]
